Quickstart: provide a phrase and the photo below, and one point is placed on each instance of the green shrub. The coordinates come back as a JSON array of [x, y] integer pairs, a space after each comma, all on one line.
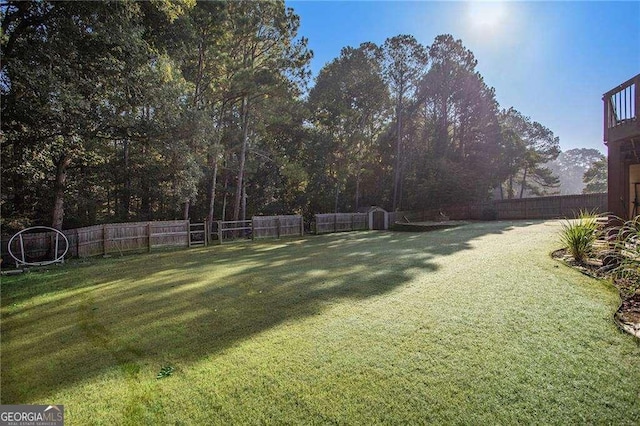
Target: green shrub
[[579, 235], [588, 219], [627, 249]]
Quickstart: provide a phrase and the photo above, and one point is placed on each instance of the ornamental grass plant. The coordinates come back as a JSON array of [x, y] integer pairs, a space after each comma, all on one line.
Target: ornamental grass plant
[[578, 235], [627, 252]]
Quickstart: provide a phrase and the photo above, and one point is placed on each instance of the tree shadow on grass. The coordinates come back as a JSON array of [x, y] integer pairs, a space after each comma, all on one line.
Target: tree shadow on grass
[[185, 305]]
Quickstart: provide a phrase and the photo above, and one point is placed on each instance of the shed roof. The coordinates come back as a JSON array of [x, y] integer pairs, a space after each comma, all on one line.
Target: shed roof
[[370, 209]]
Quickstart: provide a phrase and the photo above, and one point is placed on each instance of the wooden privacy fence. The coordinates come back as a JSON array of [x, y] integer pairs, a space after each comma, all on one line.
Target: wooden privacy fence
[[277, 226], [260, 227], [338, 222], [116, 238], [565, 206], [554, 207]]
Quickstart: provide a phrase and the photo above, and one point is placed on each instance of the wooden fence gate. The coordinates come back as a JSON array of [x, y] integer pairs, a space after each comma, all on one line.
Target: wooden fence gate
[[198, 234], [260, 227]]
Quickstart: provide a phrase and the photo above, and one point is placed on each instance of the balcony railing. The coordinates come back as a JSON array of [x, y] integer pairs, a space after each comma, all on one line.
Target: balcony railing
[[620, 111]]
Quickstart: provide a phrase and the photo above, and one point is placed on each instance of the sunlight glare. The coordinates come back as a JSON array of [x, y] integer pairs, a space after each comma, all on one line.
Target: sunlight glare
[[486, 18]]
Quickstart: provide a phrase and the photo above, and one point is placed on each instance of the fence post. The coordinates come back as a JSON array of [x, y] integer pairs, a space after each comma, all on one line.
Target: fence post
[[206, 232], [188, 233], [219, 232], [149, 235], [301, 226], [21, 250], [56, 244], [253, 229], [104, 239], [278, 227], [335, 222]]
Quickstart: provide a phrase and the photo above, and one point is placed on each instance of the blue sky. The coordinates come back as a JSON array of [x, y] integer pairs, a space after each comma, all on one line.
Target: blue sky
[[552, 61]]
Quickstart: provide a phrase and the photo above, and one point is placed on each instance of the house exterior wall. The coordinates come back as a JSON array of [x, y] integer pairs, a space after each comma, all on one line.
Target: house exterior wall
[[616, 181], [634, 177], [623, 174], [622, 137]]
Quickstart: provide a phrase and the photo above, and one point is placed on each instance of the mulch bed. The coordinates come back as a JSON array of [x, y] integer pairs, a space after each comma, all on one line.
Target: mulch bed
[[627, 317]]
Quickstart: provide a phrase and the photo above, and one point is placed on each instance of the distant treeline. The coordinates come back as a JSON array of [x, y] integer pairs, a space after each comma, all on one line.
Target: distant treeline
[[135, 111]]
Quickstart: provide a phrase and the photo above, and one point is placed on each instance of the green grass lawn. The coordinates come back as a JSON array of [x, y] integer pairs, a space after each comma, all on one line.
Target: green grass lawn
[[470, 325]]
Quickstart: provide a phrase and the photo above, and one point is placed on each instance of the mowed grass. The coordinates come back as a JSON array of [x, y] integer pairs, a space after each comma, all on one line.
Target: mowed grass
[[471, 325]]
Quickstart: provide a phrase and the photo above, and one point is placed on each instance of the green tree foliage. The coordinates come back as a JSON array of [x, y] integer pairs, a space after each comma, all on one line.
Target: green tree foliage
[[596, 177], [530, 146], [269, 60], [457, 132], [350, 103], [570, 167], [85, 90], [119, 111], [404, 64], [108, 102]]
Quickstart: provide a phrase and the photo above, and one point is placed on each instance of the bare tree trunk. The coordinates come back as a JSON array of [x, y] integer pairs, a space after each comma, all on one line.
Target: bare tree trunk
[[462, 142], [146, 211], [196, 101], [224, 200], [58, 191], [357, 200], [213, 162], [19, 186], [396, 175], [243, 155], [510, 189], [400, 187], [524, 181], [125, 199], [441, 142], [244, 202], [185, 212], [212, 190]]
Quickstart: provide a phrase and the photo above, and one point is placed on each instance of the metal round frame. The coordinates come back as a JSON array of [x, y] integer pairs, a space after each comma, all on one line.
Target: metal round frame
[[22, 261]]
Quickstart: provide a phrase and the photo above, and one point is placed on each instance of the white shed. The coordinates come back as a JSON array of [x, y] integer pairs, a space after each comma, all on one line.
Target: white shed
[[378, 218]]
